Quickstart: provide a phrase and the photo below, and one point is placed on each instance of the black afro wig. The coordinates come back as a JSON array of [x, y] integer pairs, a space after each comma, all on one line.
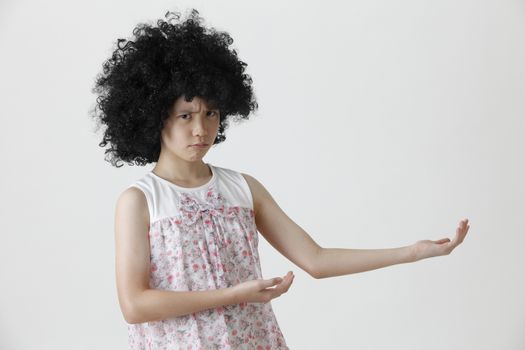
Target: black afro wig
[[145, 75]]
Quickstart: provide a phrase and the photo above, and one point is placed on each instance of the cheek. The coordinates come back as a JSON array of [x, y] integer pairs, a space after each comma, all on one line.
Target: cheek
[[174, 135]]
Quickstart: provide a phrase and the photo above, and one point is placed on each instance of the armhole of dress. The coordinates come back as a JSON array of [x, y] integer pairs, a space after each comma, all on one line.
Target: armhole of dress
[[247, 189], [148, 201]]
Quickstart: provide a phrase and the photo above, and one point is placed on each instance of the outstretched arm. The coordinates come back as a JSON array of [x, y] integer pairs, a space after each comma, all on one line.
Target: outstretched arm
[[299, 247], [336, 261], [341, 261]]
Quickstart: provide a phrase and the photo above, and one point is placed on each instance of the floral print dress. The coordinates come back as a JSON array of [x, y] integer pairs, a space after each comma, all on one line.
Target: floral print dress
[[204, 238]]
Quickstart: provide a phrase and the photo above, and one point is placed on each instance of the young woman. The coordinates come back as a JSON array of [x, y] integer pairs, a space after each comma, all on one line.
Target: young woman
[[186, 233]]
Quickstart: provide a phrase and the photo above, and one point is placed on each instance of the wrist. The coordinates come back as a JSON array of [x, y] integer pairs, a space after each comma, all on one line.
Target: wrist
[[232, 295], [413, 253]]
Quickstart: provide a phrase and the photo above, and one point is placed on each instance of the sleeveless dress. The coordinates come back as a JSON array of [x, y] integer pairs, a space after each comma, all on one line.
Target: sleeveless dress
[[204, 238]]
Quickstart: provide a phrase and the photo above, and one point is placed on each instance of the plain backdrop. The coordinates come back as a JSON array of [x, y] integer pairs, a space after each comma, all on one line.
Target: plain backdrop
[[380, 123]]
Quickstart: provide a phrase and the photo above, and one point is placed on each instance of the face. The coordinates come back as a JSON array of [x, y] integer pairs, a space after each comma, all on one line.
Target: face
[[190, 124]]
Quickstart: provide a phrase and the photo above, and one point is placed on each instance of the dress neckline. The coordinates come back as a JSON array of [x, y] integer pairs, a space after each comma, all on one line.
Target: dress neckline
[[188, 189]]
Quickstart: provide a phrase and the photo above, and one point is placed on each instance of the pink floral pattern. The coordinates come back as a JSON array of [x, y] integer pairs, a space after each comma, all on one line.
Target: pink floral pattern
[[207, 245]]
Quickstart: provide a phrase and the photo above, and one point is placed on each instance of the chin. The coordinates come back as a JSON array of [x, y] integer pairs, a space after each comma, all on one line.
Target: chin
[[195, 158]]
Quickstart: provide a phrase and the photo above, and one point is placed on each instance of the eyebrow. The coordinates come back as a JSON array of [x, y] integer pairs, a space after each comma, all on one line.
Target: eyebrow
[[188, 111]]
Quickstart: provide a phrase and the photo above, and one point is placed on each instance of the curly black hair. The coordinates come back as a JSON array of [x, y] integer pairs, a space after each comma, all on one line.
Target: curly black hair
[[145, 75]]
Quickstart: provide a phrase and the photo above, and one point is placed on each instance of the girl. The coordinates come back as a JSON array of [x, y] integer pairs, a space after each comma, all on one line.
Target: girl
[[186, 234]]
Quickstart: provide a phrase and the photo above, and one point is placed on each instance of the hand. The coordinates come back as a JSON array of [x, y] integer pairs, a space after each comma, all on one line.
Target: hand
[[426, 248], [259, 291]]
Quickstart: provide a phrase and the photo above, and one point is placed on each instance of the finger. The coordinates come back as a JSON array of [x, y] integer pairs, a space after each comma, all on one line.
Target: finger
[[464, 225], [287, 277], [271, 282], [290, 284], [290, 273], [461, 231], [285, 284], [274, 281], [461, 228]]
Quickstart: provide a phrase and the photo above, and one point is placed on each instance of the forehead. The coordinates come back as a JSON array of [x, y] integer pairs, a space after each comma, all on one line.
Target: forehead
[[194, 105]]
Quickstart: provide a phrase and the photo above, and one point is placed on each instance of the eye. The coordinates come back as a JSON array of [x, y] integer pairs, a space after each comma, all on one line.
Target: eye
[[184, 115], [212, 113]]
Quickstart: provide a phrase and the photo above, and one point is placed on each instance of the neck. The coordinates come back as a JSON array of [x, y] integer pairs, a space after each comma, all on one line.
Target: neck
[[181, 170]]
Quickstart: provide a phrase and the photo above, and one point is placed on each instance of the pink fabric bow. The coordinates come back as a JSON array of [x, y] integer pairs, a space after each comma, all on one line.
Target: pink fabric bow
[[192, 209]]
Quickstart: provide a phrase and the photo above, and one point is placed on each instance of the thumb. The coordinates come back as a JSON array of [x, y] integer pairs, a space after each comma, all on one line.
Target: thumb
[[272, 281], [443, 240]]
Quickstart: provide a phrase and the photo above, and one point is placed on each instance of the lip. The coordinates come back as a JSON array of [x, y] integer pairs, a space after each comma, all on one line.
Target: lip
[[199, 145]]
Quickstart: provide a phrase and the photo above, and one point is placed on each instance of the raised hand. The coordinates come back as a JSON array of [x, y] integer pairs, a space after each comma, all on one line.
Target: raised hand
[[427, 248], [260, 291]]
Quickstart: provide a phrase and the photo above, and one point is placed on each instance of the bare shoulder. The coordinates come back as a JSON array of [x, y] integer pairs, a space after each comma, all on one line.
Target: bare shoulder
[[252, 185], [259, 192], [252, 182], [132, 202], [132, 194]]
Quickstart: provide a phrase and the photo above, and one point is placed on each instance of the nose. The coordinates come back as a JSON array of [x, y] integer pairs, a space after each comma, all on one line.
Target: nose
[[199, 128]]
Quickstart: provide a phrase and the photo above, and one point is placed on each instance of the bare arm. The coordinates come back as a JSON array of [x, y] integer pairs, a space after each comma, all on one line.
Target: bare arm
[[154, 304], [299, 247], [338, 261]]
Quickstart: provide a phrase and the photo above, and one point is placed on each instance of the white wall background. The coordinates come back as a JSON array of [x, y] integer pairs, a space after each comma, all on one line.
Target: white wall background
[[380, 123]]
